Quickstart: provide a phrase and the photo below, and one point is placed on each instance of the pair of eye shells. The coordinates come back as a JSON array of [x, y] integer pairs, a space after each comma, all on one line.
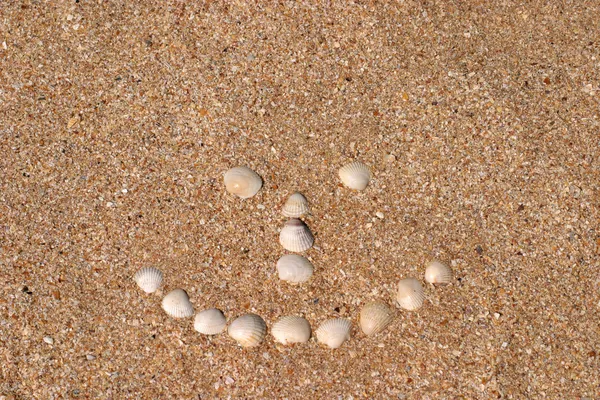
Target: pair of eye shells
[[410, 294]]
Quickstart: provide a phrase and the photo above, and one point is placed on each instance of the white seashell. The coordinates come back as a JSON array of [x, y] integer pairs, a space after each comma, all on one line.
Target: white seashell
[[334, 332], [436, 272], [375, 317], [177, 304], [355, 175], [148, 279], [410, 295], [210, 322], [295, 236], [295, 206], [291, 330], [294, 269], [248, 330], [242, 182]]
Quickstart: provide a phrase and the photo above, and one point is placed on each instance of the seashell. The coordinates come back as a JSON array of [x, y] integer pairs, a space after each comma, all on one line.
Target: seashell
[[177, 304], [334, 332], [148, 279], [355, 175], [242, 182], [294, 269], [375, 317], [295, 206], [410, 295], [295, 236], [248, 330], [291, 329], [210, 321], [436, 272]]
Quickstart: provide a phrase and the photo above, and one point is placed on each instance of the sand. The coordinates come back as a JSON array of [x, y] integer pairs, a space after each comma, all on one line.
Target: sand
[[479, 120]]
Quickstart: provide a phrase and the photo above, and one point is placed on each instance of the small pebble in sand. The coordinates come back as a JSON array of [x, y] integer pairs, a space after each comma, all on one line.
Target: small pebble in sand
[[379, 214], [48, 340]]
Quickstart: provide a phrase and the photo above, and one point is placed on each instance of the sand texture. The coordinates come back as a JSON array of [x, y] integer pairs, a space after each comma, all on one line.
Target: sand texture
[[479, 121]]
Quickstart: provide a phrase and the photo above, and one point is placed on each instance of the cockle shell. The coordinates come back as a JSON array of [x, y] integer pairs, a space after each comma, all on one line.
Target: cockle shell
[[210, 321], [295, 206], [375, 317], [177, 304], [334, 332], [436, 272], [291, 329], [410, 295], [355, 175], [248, 330], [148, 279], [294, 269], [295, 236], [242, 182]]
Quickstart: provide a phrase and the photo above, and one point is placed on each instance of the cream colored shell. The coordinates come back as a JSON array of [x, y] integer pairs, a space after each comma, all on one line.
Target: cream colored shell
[[291, 329], [210, 321], [242, 182], [295, 206], [248, 330], [148, 279], [334, 332], [375, 317], [177, 304], [295, 236], [410, 295], [355, 175], [436, 272], [294, 269]]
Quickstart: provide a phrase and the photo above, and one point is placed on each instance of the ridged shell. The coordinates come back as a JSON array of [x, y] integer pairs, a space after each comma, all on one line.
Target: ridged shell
[[248, 330], [242, 182], [291, 329], [177, 304], [295, 206], [410, 295], [294, 269], [148, 279], [436, 272], [334, 332], [355, 175], [210, 322], [375, 317], [295, 236]]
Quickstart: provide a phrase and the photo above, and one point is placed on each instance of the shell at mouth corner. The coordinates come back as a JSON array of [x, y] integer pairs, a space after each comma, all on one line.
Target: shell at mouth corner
[[248, 330], [410, 295], [355, 175], [177, 304], [375, 317], [436, 272], [295, 206], [334, 332], [291, 329], [294, 269], [210, 321], [295, 236], [242, 182], [148, 279]]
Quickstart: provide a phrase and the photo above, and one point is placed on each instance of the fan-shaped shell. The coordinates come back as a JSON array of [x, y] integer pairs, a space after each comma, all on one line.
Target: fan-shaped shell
[[248, 330], [242, 182], [334, 332], [210, 321], [375, 317], [148, 279], [177, 304], [410, 295], [295, 236], [436, 272], [355, 175], [291, 329], [295, 206], [294, 269]]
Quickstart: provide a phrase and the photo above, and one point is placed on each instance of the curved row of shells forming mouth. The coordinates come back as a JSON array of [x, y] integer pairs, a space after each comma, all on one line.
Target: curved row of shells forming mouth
[[249, 330]]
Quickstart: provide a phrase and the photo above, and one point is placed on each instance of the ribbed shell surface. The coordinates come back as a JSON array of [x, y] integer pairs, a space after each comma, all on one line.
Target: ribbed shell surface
[[294, 268], [296, 236], [295, 206], [248, 330], [148, 279], [334, 332], [291, 329], [436, 272], [210, 321], [410, 295], [355, 175], [375, 317], [177, 304]]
